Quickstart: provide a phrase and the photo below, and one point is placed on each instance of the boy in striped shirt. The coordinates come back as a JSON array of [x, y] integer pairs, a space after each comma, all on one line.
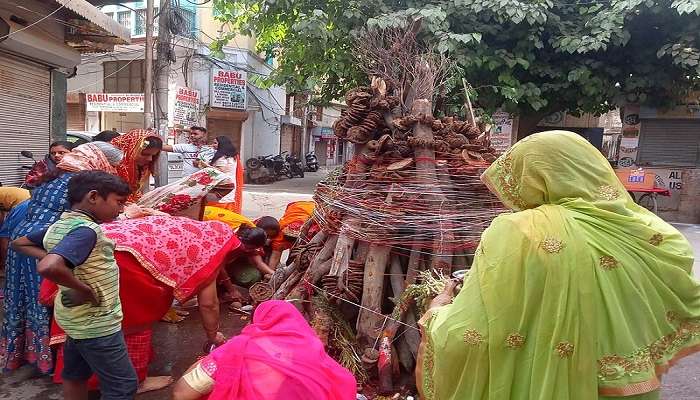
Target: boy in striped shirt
[[76, 254]]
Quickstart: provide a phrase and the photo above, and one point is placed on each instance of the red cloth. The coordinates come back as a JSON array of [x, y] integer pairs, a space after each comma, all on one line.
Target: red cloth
[[180, 252], [131, 143], [147, 284], [35, 175]]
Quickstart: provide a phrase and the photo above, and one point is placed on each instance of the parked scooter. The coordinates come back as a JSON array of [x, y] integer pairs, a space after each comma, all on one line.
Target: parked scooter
[[311, 162], [295, 167]]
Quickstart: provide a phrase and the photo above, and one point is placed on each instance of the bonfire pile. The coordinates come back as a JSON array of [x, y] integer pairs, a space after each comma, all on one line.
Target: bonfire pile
[[397, 220], [403, 214]]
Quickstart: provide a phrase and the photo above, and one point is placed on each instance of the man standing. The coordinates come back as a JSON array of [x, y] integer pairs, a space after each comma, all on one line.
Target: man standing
[[193, 151]]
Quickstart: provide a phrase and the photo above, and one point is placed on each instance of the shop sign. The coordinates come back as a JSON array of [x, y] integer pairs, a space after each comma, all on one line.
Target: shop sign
[[184, 106], [228, 89], [115, 102], [502, 134]]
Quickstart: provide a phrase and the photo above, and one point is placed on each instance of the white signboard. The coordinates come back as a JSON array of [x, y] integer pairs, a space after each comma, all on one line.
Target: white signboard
[[184, 106], [228, 89], [502, 134], [115, 102]]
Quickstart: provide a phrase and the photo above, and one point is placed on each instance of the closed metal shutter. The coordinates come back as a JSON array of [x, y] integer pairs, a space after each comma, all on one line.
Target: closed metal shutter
[[666, 142], [75, 116], [25, 115]]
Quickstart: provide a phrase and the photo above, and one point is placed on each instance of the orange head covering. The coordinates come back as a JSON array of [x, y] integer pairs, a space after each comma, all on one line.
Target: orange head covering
[[132, 143], [294, 217]]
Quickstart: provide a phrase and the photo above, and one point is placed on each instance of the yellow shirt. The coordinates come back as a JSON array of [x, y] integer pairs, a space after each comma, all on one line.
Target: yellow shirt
[[230, 218], [11, 196]]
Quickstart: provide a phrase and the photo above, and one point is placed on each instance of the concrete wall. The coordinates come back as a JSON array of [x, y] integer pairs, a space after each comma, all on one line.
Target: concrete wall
[[684, 203], [211, 28]]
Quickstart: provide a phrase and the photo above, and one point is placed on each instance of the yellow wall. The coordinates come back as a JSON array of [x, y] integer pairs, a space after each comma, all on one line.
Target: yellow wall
[[210, 27]]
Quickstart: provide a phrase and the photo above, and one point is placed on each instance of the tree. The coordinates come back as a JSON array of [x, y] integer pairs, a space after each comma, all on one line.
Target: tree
[[530, 57]]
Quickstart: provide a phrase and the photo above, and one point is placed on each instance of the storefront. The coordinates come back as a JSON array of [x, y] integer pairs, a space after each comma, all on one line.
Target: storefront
[[328, 148], [668, 144], [34, 65], [222, 122], [26, 86]]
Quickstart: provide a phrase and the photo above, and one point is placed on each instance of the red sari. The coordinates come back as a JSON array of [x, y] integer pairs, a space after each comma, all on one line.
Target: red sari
[[159, 258], [131, 143]]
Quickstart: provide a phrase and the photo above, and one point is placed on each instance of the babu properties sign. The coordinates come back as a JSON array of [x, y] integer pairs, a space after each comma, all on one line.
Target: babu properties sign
[[228, 89], [115, 102], [184, 106]]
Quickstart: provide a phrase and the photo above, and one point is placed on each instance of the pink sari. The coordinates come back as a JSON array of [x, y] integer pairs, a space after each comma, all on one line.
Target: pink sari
[[277, 357]]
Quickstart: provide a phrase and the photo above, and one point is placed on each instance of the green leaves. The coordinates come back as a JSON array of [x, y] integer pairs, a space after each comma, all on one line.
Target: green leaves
[[687, 6], [523, 55]]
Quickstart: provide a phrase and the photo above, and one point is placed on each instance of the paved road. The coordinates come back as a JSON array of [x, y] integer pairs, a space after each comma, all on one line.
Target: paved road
[[177, 346]]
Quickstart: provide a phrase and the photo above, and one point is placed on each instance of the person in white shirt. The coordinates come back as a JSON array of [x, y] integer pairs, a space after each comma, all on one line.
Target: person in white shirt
[[227, 160], [197, 149]]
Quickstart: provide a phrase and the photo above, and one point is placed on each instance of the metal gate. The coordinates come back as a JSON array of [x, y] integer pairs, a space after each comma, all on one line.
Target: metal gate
[[670, 142], [25, 115]]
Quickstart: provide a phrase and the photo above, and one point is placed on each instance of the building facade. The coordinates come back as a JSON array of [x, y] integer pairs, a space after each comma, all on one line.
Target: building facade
[[666, 142], [218, 92], [40, 45]]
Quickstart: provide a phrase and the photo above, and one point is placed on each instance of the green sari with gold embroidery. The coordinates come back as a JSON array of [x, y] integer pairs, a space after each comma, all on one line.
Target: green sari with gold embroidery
[[579, 294]]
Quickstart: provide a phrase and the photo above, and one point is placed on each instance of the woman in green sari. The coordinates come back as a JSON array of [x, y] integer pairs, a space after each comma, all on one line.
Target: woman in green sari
[[578, 294]]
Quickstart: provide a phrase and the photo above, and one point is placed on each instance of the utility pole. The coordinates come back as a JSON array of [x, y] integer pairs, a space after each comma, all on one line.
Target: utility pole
[[148, 87], [162, 73]]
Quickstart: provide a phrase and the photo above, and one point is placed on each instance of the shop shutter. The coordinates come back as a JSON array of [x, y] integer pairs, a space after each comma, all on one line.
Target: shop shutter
[[666, 142], [25, 114]]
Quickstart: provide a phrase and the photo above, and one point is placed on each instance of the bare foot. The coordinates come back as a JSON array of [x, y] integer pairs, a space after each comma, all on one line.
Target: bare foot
[[152, 383], [235, 306]]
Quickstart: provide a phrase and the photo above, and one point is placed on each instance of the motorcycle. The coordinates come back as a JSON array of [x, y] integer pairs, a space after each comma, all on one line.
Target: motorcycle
[[295, 167], [259, 169], [280, 166], [267, 169], [311, 162], [29, 155]]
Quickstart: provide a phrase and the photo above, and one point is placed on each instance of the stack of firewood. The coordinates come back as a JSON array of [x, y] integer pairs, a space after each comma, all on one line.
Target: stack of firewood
[[409, 203]]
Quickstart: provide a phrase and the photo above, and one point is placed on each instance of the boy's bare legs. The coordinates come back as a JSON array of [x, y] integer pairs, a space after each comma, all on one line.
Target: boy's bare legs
[[75, 390]]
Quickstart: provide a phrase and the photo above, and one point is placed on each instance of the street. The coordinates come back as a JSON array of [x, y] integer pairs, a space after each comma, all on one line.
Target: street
[[178, 345]]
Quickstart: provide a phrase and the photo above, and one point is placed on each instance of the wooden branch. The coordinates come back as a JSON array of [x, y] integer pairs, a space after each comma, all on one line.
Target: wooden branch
[[470, 111], [442, 260], [312, 275], [397, 277], [369, 324], [294, 280], [343, 249], [288, 284]]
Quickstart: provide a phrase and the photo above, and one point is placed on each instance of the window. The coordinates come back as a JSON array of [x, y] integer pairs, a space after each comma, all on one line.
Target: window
[[140, 23], [111, 15], [124, 18], [190, 21], [124, 76]]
